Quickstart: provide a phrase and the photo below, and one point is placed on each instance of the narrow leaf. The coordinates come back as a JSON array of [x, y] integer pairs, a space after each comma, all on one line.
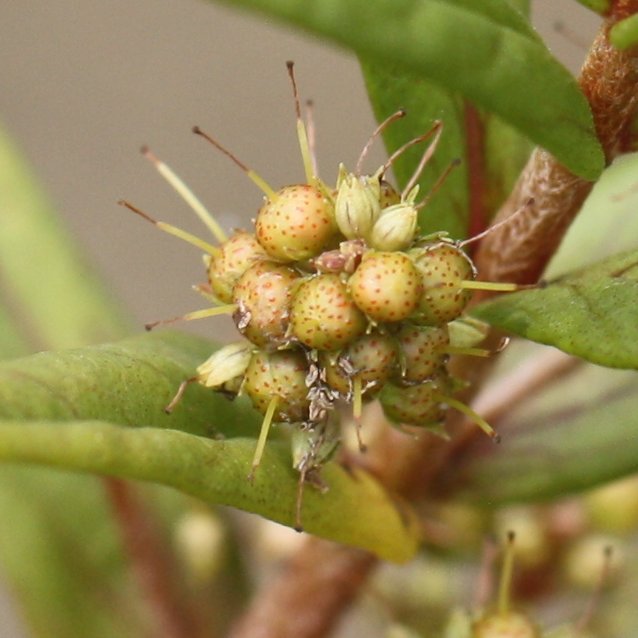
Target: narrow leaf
[[467, 50], [607, 223], [355, 510], [60, 554], [590, 313], [589, 438], [129, 383], [63, 302]]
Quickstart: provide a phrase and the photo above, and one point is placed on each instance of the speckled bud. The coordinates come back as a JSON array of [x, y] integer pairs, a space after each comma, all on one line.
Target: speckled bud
[[395, 229], [225, 364], [357, 204]]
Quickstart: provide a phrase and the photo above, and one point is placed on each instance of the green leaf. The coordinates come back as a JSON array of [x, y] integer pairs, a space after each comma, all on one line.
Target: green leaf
[[129, 383], [590, 313], [624, 34], [583, 437], [47, 557], [390, 88], [607, 223], [216, 471], [480, 50], [49, 562], [63, 302]]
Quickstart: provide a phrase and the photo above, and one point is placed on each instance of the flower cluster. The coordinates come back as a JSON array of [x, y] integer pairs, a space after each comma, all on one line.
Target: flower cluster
[[339, 299]]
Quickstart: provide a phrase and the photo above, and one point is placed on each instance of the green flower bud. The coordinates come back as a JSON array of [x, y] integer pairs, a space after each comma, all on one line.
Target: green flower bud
[[395, 228], [313, 447], [467, 332], [357, 204], [225, 365]]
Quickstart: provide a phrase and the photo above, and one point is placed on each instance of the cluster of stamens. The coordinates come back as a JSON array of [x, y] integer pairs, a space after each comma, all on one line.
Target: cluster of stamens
[[339, 300]]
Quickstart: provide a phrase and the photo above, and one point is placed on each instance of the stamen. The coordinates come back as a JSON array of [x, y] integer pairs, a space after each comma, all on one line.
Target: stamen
[[525, 206], [507, 571], [263, 436], [437, 129], [186, 194], [375, 134], [470, 414], [172, 230], [197, 314], [261, 183], [179, 394], [302, 135], [439, 182]]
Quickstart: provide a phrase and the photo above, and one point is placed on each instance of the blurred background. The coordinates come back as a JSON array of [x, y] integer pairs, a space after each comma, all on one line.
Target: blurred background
[[84, 85]]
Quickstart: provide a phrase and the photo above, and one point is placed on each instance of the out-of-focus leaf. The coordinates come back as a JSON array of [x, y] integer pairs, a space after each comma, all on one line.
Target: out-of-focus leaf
[[12, 343], [57, 296], [484, 51], [59, 550], [356, 510], [607, 223], [67, 578], [581, 436], [590, 313], [129, 383]]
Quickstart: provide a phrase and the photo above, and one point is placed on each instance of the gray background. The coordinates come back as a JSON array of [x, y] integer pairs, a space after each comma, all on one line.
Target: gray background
[[84, 84]]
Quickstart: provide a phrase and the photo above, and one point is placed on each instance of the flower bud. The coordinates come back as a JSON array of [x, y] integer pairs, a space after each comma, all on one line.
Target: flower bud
[[357, 204], [395, 229], [224, 365], [311, 448]]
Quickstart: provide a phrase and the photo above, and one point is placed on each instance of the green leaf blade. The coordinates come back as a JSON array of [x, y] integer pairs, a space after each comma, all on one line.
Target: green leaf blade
[[129, 383], [590, 313], [216, 471], [587, 438]]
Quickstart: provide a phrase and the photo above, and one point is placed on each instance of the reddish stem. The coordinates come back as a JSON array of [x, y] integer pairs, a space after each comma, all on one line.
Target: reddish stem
[[318, 582], [151, 565], [475, 155]]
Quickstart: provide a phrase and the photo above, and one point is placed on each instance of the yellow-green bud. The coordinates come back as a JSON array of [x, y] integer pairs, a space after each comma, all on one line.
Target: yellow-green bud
[[395, 229], [467, 332], [508, 624], [357, 204], [311, 448], [224, 365]]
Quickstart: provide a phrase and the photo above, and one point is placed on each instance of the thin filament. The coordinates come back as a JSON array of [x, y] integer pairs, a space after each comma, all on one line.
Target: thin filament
[[186, 194]]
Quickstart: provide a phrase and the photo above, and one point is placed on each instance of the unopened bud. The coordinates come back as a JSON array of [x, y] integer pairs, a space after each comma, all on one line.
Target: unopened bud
[[357, 204], [395, 229], [467, 332], [224, 365], [311, 448]]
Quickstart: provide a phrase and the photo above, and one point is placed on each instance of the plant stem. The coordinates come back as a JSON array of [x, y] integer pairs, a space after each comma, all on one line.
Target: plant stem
[[151, 566], [319, 581], [531, 377]]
